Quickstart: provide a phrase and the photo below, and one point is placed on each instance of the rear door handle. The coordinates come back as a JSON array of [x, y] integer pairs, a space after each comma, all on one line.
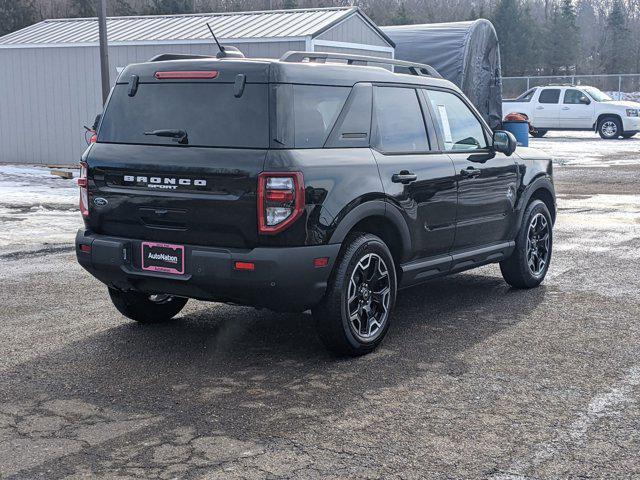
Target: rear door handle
[[539, 108], [470, 172], [565, 108], [404, 177]]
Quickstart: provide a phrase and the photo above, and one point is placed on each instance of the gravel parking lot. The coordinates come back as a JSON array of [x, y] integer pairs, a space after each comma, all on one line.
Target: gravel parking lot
[[475, 380]]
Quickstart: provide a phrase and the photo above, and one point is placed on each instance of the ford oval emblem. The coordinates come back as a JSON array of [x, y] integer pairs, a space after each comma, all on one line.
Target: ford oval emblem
[[100, 202]]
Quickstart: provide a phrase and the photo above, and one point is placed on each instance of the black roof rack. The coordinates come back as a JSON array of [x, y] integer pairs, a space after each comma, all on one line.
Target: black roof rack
[[321, 57]]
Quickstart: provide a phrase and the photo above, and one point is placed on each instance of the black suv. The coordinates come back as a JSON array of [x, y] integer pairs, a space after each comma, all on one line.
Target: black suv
[[317, 181]]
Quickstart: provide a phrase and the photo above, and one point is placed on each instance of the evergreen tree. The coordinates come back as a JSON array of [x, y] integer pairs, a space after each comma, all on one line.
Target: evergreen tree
[[121, 7], [402, 16], [516, 33], [83, 8], [16, 15], [615, 45], [288, 4], [168, 7], [562, 39]]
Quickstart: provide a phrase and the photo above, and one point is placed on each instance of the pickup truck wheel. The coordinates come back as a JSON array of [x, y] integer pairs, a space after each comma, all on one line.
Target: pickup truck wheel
[[610, 128], [146, 308], [529, 262], [355, 314], [539, 133]]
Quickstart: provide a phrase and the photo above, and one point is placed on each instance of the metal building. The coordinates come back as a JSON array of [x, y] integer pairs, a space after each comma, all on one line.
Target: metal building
[[50, 75]]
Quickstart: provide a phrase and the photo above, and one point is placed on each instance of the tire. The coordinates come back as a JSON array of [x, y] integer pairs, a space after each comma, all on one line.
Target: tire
[[628, 135], [373, 297], [146, 308], [539, 133], [609, 128], [524, 269]]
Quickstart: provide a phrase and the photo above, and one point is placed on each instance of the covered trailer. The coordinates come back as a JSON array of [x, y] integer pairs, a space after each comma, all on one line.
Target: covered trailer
[[466, 53]]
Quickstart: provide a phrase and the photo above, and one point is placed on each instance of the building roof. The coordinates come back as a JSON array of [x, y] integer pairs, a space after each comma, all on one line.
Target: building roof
[[272, 24]]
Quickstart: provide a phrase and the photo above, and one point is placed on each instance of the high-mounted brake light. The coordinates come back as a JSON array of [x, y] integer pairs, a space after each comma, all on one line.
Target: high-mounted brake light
[[187, 75], [247, 266], [280, 200], [83, 183]]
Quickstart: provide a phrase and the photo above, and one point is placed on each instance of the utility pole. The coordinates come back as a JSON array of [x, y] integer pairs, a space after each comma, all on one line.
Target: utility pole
[[104, 49]]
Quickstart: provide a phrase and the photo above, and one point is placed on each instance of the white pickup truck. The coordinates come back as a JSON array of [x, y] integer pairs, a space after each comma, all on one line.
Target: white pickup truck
[[561, 107]]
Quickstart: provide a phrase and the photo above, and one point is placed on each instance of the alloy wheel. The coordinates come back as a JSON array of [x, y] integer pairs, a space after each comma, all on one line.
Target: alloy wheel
[[538, 241], [609, 128], [368, 297]]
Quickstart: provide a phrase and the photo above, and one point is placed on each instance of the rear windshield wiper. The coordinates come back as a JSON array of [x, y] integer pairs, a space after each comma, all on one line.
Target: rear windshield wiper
[[179, 136]]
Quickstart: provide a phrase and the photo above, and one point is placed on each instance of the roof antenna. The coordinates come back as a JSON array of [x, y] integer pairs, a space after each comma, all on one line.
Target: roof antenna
[[225, 52]]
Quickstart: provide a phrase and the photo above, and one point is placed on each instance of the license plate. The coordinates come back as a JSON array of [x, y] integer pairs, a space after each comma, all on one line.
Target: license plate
[[163, 257]]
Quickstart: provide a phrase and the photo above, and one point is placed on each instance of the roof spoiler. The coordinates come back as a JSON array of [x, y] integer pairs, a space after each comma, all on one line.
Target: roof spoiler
[[229, 52], [420, 69]]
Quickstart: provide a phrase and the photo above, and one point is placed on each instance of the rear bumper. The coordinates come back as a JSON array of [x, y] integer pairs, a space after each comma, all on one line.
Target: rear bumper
[[284, 278]]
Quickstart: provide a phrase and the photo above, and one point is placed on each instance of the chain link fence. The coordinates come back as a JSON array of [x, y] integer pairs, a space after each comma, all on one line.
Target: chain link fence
[[619, 87]]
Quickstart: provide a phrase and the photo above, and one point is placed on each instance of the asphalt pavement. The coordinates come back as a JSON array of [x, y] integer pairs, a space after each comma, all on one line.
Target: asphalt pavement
[[475, 380]]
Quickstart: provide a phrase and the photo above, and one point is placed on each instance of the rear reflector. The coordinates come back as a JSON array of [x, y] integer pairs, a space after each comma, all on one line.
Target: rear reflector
[[248, 266], [186, 75], [85, 248], [321, 262]]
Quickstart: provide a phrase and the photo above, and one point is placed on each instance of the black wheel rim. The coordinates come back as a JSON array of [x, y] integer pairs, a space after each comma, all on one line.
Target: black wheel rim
[[368, 297], [538, 241]]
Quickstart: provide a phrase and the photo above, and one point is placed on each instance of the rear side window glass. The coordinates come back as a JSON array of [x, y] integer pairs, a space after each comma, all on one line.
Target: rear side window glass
[[399, 122], [315, 110], [549, 95], [460, 128], [209, 113], [353, 126]]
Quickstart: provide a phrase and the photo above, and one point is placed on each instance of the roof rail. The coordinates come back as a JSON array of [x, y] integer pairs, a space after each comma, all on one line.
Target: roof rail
[[321, 57], [177, 56]]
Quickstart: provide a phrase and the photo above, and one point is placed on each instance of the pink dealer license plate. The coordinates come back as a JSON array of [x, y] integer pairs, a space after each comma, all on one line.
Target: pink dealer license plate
[[163, 257]]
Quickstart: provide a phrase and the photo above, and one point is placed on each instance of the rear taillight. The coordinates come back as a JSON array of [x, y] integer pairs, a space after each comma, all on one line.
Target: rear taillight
[[280, 200], [83, 183]]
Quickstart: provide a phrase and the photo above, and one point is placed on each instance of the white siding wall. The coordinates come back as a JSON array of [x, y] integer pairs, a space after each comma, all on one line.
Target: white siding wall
[[354, 29], [48, 94]]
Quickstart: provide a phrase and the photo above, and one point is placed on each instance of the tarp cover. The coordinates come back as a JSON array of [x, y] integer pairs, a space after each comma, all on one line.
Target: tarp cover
[[466, 53]]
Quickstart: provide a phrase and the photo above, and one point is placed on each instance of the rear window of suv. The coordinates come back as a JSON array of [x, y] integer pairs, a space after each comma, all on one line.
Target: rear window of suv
[[209, 113]]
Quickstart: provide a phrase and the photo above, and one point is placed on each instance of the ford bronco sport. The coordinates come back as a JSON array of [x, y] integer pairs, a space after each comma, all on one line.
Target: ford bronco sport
[[317, 181]]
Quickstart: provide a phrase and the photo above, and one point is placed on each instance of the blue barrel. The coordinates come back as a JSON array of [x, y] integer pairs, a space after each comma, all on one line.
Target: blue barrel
[[520, 130]]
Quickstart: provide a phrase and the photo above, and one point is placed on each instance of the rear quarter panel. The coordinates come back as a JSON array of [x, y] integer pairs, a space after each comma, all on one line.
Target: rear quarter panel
[[336, 181]]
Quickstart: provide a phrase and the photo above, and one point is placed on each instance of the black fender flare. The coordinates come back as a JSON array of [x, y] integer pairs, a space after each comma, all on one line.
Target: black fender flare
[[373, 208], [543, 182]]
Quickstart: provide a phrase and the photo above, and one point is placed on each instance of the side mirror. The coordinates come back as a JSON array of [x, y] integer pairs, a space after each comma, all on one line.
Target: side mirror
[[584, 100], [504, 142]]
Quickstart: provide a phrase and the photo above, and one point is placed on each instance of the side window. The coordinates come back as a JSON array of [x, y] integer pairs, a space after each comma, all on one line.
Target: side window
[[549, 95], [460, 128], [353, 127], [399, 122], [572, 96], [315, 110], [527, 96]]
